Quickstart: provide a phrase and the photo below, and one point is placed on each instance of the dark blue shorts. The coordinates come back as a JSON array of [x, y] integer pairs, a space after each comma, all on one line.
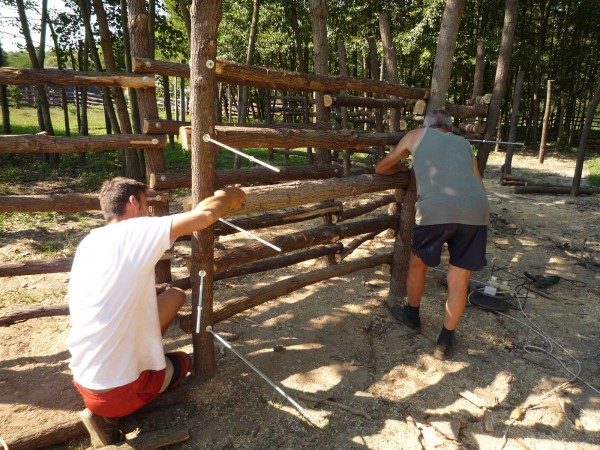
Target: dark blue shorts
[[466, 244]]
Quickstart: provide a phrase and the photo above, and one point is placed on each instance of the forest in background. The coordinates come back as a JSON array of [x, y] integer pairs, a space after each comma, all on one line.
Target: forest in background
[[555, 40]]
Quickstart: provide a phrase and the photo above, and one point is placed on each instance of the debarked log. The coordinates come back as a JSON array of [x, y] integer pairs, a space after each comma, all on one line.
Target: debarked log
[[326, 234], [259, 296], [248, 175], [365, 102], [557, 190], [284, 195], [264, 77], [267, 137], [472, 127], [57, 77], [163, 126], [41, 143], [34, 267], [66, 203], [465, 112]]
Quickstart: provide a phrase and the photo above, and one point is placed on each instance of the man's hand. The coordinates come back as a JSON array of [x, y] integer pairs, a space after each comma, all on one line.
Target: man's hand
[[235, 196]]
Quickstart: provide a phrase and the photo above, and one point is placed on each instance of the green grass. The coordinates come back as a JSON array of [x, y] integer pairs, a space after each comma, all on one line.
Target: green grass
[[594, 174]]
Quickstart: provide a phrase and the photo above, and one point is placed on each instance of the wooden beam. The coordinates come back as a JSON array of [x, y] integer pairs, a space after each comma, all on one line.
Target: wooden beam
[[163, 126], [464, 112], [285, 195], [41, 143], [247, 175], [57, 77], [66, 203], [263, 77], [267, 137], [259, 296]]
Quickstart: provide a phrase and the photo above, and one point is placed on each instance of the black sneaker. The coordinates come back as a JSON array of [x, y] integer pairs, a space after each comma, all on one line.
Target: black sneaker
[[103, 430], [399, 313], [443, 350]]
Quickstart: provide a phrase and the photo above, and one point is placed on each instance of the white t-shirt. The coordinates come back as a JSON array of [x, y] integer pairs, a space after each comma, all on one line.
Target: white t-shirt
[[115, 329]]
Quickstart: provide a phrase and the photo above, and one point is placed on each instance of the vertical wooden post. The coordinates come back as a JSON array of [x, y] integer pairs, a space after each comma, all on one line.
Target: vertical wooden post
[[344, 109], [402, 247], [374, 64], [479, 70], [205, 19], [391, 62], [544, 139], [155, 161]]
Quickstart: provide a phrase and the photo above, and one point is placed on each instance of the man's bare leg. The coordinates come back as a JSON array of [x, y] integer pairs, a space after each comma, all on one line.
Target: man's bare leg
[[415, 281], [169, 303], [458, 284]]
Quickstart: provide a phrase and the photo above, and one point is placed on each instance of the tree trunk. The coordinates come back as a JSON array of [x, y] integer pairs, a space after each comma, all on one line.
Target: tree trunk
[[507, 167], [243, 90], [502, 74], [206, 16], [391, 62], [544, 138], [293, 18], [4, 100], [479, 70], [589, 118], [132, 164], [444, 54]]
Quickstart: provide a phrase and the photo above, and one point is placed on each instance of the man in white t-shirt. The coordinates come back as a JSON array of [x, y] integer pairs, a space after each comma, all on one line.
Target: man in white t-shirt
[[117, 320]]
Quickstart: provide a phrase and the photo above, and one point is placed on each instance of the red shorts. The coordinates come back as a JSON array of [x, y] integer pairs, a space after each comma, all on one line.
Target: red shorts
[[126, 399]]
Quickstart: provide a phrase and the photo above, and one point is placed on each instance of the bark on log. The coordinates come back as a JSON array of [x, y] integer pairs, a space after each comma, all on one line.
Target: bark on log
[[39, 143], [251, 137], [268, 198], [247, 175], [66, 203], [349, 249], [21, 315], [263, 77], [242, 303], [364, 102], [35, 267], [283, 218], [281, 261], [325, 234], [464, 112], [48, 435], [56, 77], [557, 190]]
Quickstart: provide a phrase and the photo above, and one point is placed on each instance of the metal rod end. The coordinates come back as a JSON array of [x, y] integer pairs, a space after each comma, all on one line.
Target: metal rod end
[[209, 329], [206, 137], [202, 273]]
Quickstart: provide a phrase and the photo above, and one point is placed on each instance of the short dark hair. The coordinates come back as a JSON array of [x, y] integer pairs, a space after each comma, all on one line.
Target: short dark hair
[[438, 118], [115, 194]]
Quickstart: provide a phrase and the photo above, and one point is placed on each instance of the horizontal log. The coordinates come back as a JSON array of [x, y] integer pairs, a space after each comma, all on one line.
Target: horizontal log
[[364, 102], [293, 215], [259, 296], [35, 267], [265, 137], [349, 249], [263, 77], [163, 126], [20, 315], [57, 77], [248, 175], [472, 127], [557, 190], [41, 143], [479, 100], [326, 234], [465, 112], [66, 203], [280, 151], [368, 207], [285, 195], [279, 262]]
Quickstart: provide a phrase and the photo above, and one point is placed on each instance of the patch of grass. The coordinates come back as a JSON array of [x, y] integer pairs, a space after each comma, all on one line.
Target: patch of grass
[[17, 296], [594, 171]]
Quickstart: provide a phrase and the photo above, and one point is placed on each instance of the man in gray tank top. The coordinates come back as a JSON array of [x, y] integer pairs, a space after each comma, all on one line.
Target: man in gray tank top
[[452, 209]]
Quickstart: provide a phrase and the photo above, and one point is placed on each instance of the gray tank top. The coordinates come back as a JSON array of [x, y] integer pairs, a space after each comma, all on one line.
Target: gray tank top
[[447, 189]]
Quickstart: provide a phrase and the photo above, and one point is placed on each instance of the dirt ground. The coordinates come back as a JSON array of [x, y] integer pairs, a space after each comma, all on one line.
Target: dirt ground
[[334, 348]]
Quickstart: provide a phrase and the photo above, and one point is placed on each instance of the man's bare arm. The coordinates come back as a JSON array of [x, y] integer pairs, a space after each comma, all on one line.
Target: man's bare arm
[[394, 161]]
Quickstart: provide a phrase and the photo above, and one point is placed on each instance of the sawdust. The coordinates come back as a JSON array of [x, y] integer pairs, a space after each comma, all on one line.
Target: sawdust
[[335, 341]]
